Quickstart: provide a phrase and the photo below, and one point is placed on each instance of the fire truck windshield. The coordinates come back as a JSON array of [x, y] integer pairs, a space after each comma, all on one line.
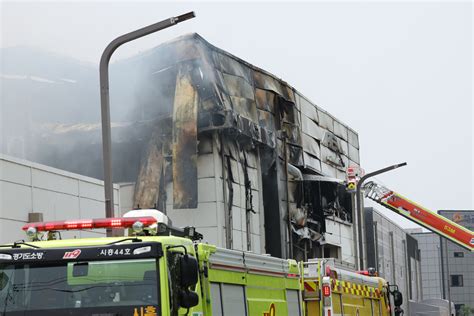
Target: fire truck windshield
[[108, 287]]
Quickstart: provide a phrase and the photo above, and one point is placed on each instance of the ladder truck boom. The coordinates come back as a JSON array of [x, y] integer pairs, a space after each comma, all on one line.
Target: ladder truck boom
[[420, 215]]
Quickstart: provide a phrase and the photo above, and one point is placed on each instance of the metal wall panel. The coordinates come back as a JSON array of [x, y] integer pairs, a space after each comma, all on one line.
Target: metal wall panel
[[354, 154], [310, 128], [326, 121], [54, 182], [93, 191], [328, 170], [14, 172], [59, 195], [311, 146], [312, 162], [353, 138], [340, 130], [15, 201], [308, 109]]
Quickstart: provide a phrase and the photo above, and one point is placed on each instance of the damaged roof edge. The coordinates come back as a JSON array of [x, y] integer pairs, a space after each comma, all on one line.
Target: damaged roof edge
[[196, 36]]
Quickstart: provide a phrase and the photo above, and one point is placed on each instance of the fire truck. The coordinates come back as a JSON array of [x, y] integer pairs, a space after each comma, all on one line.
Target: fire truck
[[157, 269], [334, 291]]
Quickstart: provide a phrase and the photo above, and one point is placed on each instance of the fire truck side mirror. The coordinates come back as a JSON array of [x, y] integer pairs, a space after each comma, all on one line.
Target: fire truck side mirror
[[3, 280], [189, 271], [397, 298], [188, 299]]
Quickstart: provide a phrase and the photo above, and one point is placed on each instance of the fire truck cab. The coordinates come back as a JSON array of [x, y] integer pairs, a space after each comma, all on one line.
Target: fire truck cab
[[155, 270]]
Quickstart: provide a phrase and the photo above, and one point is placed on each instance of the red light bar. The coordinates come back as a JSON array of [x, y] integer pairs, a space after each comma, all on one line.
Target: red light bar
[[113, 222]]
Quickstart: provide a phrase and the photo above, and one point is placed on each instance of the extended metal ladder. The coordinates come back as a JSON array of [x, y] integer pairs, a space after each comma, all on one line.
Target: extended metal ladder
[[420, 215]]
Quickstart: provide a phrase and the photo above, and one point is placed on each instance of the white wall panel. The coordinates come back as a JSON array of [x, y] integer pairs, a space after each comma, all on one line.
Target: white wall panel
[[207, 188], [237, 240], [182, 217], [92, 191], [353, 138], [14, 172], [354, 154], [54, 182], [91, 208], [55, 206], [308, 110], [309, 127], [205, 165], [206, 215], [58, 194], [126, 197], [15, 201], [311, 162], [328, 170], [237, 218], [325, 120], [340, 130], [310, 145], [11, 231], [257, 243]]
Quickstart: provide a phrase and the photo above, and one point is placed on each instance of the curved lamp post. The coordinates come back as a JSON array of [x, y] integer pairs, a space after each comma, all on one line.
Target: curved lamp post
[[105, 102], [360, 206]]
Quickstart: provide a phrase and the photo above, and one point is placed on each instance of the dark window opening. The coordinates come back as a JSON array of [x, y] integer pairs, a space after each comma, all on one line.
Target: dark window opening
[[327, 199], [457, 280], [332, 251], [458, 254]]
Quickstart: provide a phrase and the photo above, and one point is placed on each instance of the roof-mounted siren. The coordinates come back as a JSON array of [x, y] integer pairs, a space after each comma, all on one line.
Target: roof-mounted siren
[[163, 225], [138, 228]]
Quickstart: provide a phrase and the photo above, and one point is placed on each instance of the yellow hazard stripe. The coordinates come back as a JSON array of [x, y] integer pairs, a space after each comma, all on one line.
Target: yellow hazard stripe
[[356, 289], [311, 286]]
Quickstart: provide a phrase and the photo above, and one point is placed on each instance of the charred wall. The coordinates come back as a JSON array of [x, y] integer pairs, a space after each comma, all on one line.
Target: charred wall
[[208, 139]]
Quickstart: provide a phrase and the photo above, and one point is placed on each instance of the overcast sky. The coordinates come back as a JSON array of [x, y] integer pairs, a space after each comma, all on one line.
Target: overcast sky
[[400, 74]]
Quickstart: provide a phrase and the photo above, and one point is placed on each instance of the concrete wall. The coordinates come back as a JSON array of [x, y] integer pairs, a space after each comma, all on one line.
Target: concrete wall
[[27, 187]]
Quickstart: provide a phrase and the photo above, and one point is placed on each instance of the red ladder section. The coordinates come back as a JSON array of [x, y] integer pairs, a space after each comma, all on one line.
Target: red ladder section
[[420, 215]]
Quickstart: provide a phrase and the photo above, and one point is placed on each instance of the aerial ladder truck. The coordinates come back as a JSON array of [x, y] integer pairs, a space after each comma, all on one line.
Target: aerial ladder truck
[[420, 215]]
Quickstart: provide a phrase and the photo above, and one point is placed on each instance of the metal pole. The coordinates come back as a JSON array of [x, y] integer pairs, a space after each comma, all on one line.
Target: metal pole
[[408, 290], [355, 235], [105, 101], [448, 277], [441, 255], [360, 206], [289, 253]]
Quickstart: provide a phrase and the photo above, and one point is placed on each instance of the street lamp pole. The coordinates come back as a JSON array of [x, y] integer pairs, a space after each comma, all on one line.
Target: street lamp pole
[[105, 101], [360, 205]]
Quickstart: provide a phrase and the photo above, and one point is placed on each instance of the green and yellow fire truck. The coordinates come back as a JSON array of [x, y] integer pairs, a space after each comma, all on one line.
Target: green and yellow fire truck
[[155, 269]]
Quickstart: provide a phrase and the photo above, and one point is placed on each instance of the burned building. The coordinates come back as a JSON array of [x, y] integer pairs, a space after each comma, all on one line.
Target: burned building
[[222, 145]]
